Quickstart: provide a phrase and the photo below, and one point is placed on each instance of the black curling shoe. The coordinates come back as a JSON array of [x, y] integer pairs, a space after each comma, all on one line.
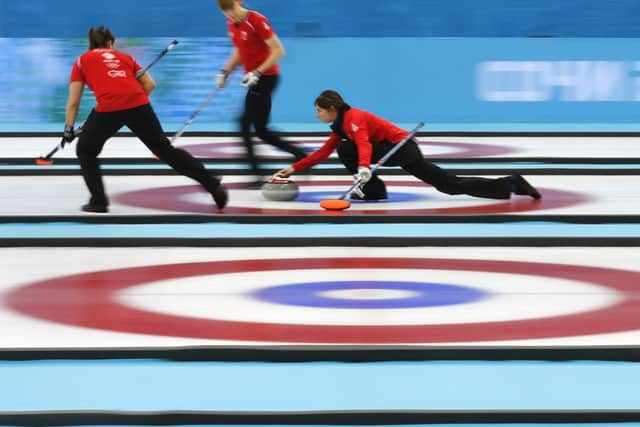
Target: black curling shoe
[[522, 187], [220, 196], [94, 208]]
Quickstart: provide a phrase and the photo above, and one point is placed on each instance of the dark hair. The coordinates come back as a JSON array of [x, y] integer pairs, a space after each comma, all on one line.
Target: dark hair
[[328, 99], [99, 37], [225, 5]]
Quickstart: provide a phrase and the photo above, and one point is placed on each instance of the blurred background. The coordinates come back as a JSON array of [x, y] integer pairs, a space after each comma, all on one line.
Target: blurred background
[[459, 64]]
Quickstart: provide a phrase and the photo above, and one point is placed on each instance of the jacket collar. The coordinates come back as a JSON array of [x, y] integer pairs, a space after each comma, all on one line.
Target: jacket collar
[[338, 124]]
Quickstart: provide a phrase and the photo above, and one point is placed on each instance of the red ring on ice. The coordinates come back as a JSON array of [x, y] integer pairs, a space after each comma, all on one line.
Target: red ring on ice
[[219, 150], [173, 199], [90, 300]]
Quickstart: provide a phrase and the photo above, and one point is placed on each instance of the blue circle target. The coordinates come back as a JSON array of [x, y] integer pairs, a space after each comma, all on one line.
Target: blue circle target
[[317, 196], [412, 294]]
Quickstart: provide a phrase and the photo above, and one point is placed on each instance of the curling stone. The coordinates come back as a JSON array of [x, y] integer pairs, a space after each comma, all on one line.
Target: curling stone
[[280, 190]]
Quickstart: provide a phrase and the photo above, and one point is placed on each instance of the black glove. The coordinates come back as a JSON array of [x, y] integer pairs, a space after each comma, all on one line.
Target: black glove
[[69, 134]]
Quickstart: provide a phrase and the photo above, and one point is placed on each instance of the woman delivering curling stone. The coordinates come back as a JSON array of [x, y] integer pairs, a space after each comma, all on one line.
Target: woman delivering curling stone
[[362, 138], [122, 101]]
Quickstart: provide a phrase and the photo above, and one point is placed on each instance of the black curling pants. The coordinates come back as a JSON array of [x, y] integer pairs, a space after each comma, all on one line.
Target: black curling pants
[[257, 109], [410, 158], [143, 122]]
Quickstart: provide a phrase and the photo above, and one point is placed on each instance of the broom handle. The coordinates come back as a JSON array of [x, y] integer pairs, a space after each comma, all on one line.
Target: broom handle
[[384, 158]]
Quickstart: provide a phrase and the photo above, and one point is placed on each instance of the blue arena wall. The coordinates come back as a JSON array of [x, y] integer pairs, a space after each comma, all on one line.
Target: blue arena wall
[[479, 80], [329, 18], [389, 57], [453, 83]]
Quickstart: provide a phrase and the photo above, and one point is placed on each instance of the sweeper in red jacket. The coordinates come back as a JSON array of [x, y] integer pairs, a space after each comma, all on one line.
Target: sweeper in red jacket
[[122, 100], [362, 138]]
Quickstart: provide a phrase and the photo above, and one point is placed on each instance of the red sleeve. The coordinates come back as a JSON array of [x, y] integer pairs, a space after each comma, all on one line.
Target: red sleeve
[[319, 155], [136, 66], [77, 75], [263, 27], [361, 138]]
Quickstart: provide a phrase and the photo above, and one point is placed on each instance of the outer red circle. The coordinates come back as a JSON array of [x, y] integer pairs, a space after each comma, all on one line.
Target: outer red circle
[[462, 149], [89, 300], [173, 199]]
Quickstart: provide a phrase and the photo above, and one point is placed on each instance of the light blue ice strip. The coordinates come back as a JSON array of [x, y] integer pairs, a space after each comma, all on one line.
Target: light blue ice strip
[[148, 385], [424, 425], [241, 166], [313, 230], [203, 126]]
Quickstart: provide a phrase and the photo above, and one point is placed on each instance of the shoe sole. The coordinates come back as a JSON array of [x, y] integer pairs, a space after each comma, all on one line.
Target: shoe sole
[[96, 211], [528, 189]]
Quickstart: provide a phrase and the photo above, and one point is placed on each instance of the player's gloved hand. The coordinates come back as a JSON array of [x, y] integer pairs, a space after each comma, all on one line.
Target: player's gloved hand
[[364, 174], [283, 173], [358, 192], [251, 78], [68, 135], [221, 78]]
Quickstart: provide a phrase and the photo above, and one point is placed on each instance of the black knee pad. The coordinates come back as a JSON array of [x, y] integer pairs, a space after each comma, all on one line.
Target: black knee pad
[[375, 189]]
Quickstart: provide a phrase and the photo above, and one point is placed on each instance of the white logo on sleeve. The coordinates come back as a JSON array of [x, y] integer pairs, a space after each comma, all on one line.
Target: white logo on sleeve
[[266, 26], [354, 127]]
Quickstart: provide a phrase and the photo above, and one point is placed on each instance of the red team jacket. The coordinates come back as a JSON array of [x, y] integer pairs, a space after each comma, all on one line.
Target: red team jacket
[[249, 38], [362, 127], [111, 75]]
